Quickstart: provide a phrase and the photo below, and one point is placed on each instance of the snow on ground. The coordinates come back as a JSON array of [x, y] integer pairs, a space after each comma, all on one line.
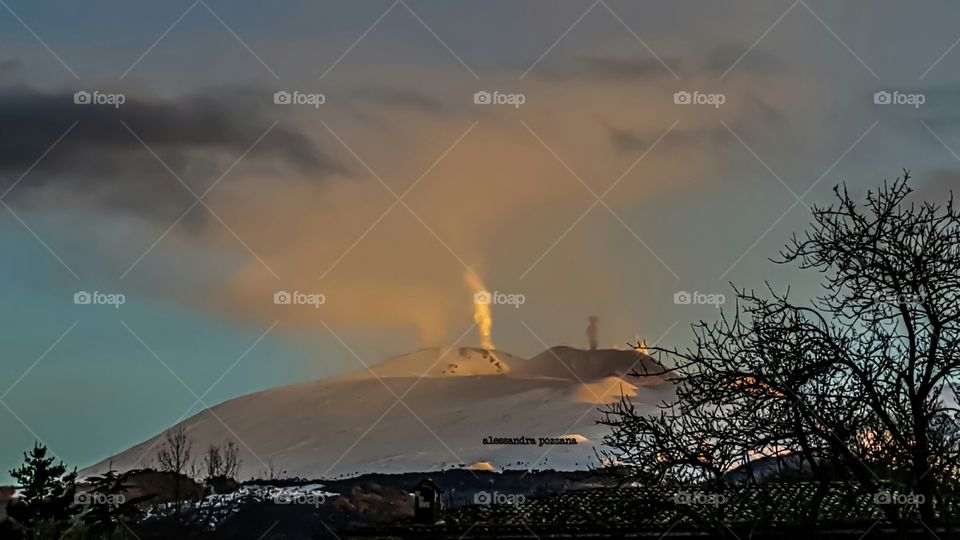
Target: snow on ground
[[215, 508], [357, 423]]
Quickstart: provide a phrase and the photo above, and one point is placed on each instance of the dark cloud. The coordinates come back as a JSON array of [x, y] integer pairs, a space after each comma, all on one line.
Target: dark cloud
[[626, 141], [940, 110], [619, 69], [102, 163], [631, 142], [936, 185], [762, 115], [756, 61], [397, 98], [608, 69], [10, 66]]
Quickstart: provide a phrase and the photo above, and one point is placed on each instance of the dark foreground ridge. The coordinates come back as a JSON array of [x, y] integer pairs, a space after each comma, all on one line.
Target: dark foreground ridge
[[771, 511]]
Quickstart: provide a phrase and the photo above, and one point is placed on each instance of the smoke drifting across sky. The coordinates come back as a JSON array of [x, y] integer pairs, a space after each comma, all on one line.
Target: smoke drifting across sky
[[598, 195]]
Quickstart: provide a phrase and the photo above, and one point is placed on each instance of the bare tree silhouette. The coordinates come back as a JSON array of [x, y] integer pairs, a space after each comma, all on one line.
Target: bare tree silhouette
[[174, 456], [859, 382], [221, 461]]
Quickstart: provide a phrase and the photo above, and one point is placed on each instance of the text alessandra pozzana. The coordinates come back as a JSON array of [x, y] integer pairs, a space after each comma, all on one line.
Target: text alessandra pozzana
[[529, 440]]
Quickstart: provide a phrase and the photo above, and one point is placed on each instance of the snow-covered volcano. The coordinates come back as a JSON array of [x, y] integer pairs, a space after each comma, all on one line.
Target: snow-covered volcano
[[423, 411]]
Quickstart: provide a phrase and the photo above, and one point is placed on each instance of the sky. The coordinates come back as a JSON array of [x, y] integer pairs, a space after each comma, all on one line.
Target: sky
[[578, 158]]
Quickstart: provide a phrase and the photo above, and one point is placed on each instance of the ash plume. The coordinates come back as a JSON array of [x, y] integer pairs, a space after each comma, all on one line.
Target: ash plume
[[592, 331]]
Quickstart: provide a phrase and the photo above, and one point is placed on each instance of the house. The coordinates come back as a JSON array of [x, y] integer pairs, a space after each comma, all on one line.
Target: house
[[427, 506]]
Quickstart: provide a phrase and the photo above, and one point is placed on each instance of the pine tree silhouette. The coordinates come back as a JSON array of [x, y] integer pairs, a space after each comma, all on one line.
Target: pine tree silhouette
[[47, 491]]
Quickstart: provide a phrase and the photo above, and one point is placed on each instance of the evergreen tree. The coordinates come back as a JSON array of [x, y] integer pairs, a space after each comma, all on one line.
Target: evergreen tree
[[46, 491], [106, 507]]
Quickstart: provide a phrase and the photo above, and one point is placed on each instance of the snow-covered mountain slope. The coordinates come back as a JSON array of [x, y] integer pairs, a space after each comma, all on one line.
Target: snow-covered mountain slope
[[444, 362], [419, 412]]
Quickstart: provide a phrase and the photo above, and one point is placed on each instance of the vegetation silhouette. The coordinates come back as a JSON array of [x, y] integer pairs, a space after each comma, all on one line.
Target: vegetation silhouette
[[854, 387]]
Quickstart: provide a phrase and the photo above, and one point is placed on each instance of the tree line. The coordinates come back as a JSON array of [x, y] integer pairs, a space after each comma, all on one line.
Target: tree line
[[53, 503]]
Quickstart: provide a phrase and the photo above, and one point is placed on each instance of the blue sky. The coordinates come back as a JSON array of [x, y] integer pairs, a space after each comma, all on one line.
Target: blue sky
[[305, 198]]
